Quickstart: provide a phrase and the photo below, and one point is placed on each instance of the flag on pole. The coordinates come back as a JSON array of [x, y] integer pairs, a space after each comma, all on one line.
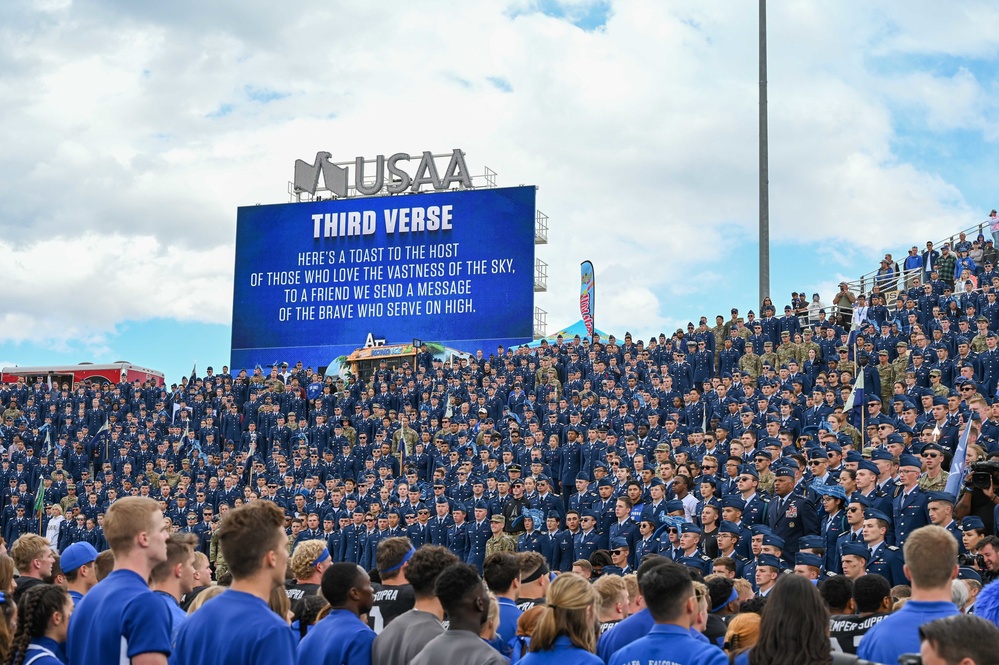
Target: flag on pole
[[39, 499], [856, 398], [194, 372], [957, 465], [587, 291]]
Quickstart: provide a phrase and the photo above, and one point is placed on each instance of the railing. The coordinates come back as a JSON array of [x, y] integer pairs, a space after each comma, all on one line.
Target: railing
[[540, 275], [540, 228], [867, 280], [540, 323]]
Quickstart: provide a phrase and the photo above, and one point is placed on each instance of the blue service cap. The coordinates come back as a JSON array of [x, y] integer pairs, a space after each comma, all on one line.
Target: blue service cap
[[965, 573], [817, 453], [853, 457], [895, 437], [442, 500], [805, 559], [941, 496], [749, 470], [689, 527], [729, 527], [459, 506], [882, 455], [589, 513], [733, 501], [910, 460], [605, 482], [931, 446], [674, 506], [619, 544], [768, 560], [764, 454], [773, 541], [480, 505], [760, 529], [865, 501], [972, 522], [856, 549], [582, 476], [784, 472], [811, 542], [871, 514]]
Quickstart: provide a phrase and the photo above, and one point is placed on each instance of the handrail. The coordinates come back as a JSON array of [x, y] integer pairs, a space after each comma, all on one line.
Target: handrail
[[870, 278]]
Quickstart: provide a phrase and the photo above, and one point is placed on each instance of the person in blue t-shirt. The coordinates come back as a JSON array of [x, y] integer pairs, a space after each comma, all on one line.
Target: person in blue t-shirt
[[635, 626], [669, 596], [931, 566], [255, 547], [121, 619], [77, 564], [42, 626], [341, 637], [174, 578], [501, 571]]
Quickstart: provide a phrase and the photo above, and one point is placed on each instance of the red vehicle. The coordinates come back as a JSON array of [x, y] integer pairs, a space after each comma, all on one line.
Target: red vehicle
[[61, 375]]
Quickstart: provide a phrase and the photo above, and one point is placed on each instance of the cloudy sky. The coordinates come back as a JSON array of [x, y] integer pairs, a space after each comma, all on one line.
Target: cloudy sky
[[132, 131]]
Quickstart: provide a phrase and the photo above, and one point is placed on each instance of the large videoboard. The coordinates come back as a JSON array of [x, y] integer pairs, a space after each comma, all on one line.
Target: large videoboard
[[314, 280]]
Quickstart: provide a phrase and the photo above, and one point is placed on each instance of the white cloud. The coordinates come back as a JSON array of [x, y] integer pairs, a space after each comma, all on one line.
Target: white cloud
[[133, 132]]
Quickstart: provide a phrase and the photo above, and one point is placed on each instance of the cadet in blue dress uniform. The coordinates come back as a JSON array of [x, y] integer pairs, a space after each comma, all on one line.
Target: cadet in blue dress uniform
[[478, 533], [586, 542], [457, 535], [885, 560], [646, 542], [909, 506], [559, 543], [940, 506]]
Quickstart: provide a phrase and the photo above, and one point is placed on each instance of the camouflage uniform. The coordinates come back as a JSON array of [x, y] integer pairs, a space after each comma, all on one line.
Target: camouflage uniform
[[751, 364], [501, 543]]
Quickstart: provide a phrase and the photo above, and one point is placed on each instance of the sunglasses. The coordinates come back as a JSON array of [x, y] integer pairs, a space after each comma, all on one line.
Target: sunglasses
[[933, 455], [616, 552], [369, 519], [745, 479]]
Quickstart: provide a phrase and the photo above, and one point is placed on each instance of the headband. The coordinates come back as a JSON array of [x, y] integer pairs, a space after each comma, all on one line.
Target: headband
[[325, 554], [733, 596], [542, 570], [402, 563]]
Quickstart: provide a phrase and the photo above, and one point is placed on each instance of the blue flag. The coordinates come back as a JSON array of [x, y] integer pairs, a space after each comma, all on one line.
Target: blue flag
[[958, 465]]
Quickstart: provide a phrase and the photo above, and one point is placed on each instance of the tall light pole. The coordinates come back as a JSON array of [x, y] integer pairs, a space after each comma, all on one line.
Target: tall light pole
[[764, 162]]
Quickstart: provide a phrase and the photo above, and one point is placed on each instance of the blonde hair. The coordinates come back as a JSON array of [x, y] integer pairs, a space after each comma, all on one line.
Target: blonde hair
[[931, 557], [303, 561], [569, 598], [6, 574], [742, 586], [280, 603], [611, 590], [492, 623], [742, 633], [26, 549], [127, 518], [204, 597], [631, 582]]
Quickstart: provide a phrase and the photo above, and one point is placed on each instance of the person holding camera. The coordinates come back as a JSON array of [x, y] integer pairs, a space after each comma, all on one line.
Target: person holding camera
[[978, 497], [843, 302]]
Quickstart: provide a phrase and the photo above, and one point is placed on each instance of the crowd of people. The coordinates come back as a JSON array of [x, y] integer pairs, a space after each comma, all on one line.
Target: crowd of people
[[596, 499]]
